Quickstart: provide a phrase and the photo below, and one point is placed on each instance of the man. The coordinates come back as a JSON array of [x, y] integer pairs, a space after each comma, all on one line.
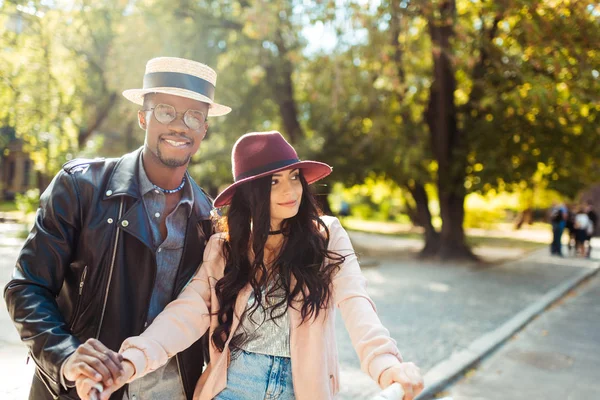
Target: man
[[114, 241]]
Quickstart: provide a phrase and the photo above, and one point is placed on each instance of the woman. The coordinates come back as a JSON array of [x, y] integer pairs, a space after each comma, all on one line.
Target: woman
[[266, 292]]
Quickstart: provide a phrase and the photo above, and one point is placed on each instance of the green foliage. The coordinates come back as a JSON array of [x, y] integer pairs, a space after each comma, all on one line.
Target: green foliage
[[531, 114], [376, 199], [28, 202], [381, 199], [526, 73], [8, 206], [486, 211]]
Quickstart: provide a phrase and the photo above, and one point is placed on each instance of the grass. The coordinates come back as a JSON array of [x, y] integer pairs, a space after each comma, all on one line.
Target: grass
[[8, 206]]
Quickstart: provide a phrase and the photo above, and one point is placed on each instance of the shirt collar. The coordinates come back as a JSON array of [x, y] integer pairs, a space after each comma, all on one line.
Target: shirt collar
[[146, 186]]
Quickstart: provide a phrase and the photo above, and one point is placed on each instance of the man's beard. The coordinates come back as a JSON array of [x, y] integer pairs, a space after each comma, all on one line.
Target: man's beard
[[172, 162]]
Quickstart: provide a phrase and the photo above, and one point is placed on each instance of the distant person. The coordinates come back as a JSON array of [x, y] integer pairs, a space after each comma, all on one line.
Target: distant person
[[583, 229], [570, 228], [594, 221], [344, 209], [558, 219]]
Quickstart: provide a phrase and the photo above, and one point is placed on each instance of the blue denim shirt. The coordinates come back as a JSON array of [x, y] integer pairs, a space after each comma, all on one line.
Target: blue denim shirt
[[164, 383]]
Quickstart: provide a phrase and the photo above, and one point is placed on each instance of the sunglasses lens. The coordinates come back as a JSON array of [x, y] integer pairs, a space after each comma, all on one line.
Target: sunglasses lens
[[164, 113], [194, 119]]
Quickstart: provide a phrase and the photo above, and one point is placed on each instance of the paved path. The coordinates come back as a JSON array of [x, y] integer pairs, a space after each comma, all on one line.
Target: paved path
[[15, 374], [434, 310], [556, 357], [431, 309]]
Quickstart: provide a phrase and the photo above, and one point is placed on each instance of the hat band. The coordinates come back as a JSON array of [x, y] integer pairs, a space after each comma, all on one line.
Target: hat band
[[266, 168], [181, 81]]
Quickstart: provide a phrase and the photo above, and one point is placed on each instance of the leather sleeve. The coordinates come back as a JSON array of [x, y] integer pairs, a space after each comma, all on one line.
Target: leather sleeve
[[38, 277]]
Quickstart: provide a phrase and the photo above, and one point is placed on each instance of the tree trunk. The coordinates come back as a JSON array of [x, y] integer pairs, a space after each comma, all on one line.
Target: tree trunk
[[430, 236], [130, 143], [280, 78], [447, 141], [417, 190], [524, 217], [412, 212], [43, 181], [452, 239], [86, 131]]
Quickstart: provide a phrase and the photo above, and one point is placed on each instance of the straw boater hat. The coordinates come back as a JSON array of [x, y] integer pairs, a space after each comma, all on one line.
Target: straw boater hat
[[179, 77], [259, 154]]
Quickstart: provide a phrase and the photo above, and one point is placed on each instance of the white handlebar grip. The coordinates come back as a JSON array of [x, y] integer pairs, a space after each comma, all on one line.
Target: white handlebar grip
[[392, 392], [395, 392]]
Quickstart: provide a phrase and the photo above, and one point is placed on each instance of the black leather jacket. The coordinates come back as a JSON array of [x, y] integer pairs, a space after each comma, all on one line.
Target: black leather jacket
[[87, 269]]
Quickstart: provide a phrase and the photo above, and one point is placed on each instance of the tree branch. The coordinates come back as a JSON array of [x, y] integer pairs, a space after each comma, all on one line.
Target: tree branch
[[85, 133]]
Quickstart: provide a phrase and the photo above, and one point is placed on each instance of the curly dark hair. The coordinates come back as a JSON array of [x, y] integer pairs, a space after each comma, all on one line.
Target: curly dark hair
[[302, 256]]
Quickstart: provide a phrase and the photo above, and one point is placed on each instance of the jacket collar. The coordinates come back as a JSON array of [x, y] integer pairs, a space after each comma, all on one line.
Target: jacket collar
[[124, 181]]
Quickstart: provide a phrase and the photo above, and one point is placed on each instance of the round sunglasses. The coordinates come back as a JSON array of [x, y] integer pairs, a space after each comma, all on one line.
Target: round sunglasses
[[165, 114]]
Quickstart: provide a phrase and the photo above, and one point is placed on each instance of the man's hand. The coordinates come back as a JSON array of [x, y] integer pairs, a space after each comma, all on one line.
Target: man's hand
[[95, 361], [88, 389], [408, 375]]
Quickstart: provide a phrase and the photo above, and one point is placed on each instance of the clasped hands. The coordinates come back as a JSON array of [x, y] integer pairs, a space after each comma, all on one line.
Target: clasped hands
[[97, 371]]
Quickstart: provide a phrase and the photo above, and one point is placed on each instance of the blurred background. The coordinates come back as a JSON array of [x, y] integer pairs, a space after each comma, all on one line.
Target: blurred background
[[454, 127], [438, 114]]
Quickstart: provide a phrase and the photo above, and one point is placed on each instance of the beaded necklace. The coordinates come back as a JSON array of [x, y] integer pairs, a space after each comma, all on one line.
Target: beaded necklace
[[170, 191]]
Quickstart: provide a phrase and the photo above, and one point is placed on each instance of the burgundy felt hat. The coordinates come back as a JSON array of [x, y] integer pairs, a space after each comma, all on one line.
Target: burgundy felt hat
[[259, 154]]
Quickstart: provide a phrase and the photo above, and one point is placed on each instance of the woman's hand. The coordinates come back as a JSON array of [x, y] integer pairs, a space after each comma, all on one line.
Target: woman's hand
[[408, 375], [88, 389]]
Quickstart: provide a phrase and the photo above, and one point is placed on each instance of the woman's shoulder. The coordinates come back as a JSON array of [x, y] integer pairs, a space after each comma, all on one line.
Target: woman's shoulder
[[338, 239], [330, 220], [334, 226]]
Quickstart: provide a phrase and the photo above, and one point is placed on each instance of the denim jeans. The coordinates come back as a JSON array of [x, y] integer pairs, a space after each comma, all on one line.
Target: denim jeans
[[253, 376]]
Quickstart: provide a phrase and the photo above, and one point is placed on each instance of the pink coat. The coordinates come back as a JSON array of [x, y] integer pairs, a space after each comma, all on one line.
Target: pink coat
[[315, 369]]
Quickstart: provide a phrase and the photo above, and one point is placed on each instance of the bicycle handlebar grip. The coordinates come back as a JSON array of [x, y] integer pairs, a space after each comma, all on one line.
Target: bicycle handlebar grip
[[393, 392]]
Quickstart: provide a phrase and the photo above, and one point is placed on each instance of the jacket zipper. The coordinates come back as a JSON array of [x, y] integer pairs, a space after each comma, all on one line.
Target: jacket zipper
[[82, 280], [80, 293], [81, 284], [110, 273]]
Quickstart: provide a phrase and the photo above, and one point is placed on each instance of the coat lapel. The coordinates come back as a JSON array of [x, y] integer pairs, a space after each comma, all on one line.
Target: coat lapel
[[135, 222]]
